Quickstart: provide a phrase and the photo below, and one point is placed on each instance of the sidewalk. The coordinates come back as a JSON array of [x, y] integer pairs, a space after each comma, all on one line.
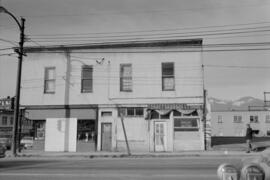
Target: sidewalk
[[210, 153]]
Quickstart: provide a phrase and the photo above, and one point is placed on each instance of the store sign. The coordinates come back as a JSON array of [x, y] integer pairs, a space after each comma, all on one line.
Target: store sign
[[5, 103], [174, 106]]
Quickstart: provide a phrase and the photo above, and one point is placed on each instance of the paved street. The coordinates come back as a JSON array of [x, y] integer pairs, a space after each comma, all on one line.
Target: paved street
[[113, 168]]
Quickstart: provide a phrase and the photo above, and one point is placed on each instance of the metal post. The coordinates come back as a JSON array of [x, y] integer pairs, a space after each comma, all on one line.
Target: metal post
[[18, 88], [204, 118], [124, 130]]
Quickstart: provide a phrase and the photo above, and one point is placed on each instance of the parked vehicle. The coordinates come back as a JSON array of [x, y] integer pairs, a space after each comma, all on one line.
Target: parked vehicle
[[2, 151], [6, 142], [27, 142]]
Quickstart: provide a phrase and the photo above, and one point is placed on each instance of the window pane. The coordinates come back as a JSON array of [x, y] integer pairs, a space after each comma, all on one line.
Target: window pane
[[184, 123], [87, 85], [126, 70], [126, 84], [130, 111], [168, 83], [87, 72], [49, 86], [50, 73], [167, 69], [139, 111], [125, 77]]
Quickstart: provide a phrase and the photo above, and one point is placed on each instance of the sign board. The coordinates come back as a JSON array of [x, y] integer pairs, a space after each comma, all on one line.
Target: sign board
[[174, 106]]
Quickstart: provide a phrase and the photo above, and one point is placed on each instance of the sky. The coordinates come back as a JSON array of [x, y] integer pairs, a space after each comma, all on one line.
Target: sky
[[230, 72]]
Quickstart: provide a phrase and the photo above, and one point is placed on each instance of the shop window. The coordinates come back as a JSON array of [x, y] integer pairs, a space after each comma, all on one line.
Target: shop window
[[254, 119], [4, 120], [106, 113], [131, 111], [87, 79], [186, 124], [125, 77], [237, 119], [49, 80], [168, 76]]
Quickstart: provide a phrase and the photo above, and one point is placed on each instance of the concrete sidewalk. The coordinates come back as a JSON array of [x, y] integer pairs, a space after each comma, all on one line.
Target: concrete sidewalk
[[211, 153]]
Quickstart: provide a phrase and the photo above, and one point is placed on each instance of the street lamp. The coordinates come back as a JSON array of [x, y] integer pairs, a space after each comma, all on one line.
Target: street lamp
[[18, 84]]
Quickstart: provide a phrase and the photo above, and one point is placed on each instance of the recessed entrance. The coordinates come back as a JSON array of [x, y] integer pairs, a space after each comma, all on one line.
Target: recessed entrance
[[86, 135]]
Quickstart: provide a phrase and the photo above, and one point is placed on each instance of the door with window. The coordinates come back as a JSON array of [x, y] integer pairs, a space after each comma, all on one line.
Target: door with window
[[106, 136], [160, 135]]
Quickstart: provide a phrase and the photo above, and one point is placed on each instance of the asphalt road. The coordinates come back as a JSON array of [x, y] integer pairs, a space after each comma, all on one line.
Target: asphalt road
[[185, 168]]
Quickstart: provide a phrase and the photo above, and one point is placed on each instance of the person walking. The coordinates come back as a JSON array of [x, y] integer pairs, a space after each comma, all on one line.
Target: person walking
[[249, 136]]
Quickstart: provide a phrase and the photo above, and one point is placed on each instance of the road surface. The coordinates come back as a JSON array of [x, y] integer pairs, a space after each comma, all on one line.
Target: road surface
[[185, 168]]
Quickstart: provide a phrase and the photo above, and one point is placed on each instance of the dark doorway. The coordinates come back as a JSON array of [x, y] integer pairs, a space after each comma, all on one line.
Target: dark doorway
[[86, 135]]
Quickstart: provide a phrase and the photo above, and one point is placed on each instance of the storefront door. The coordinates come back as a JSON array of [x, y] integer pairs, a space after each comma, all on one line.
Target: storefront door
[[106, 136], [160, 130]]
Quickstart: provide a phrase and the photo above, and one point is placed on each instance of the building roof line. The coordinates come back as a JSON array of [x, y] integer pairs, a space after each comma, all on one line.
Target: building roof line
[[120, 44]]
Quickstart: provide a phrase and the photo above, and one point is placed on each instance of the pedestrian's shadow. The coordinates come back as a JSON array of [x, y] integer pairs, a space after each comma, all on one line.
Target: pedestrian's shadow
[[260, 148]]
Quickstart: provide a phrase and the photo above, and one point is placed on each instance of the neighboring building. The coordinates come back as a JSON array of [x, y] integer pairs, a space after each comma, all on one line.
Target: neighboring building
[[233, 123], [76, 94], [7, 120]]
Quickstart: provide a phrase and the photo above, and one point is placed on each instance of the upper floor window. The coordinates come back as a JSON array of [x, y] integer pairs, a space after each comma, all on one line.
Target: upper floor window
[[237, 119], [254, 119], [219, 119], [87, 79], [267, 118], [49, 80], [125, 77], [4, 120], [168, 76]]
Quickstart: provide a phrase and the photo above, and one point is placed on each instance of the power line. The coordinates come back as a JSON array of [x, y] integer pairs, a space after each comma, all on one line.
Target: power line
[[233, 66], [162, 35], [153, 30]]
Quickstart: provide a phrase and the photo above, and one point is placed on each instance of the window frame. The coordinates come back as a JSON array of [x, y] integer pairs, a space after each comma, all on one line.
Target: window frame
[[4, 119], [220, 119], [178, 128], [253, 116], [83, 90], [46, 71], [135, 114], [237, 119], [167, 76], [122, 78]]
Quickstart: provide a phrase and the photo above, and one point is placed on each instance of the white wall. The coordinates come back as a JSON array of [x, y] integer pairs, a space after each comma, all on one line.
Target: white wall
[[229, 128], [61, 134], [33, 71], [146, 67]]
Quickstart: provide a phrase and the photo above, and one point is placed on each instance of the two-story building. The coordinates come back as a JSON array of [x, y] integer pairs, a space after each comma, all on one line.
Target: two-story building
[[76, 95]]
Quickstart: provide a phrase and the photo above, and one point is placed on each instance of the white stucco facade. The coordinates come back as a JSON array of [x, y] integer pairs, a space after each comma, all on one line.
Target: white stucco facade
[[106, 97]]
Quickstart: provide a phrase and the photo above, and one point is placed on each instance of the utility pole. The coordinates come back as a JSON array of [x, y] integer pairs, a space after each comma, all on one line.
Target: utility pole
[[124, 130], [20, 52]]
